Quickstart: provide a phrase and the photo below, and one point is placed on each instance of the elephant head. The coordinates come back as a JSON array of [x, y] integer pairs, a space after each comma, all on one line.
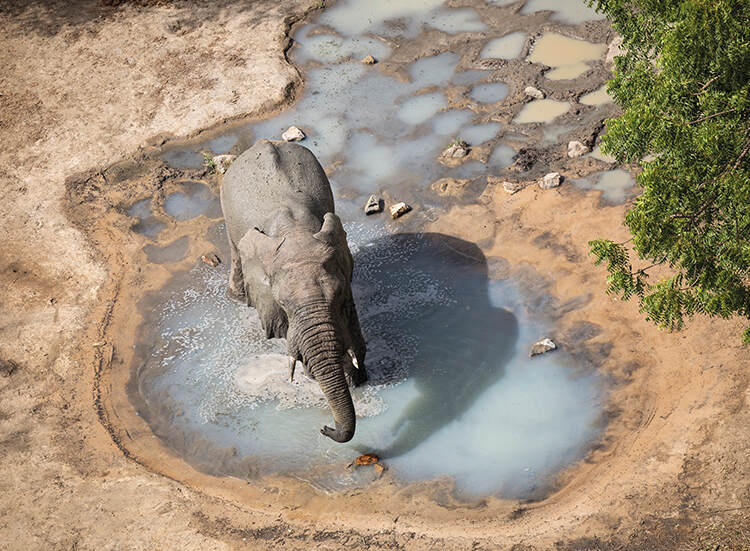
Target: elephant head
[[310, 302]]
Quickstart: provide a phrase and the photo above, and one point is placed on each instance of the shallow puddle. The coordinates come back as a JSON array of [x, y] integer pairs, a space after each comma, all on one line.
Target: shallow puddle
[[501, 156], [598, 97], [147, 223], [568, 57], [616, 185], [491, 92], [421, 108], [506, 47], [452, 391], [193, 200], [542, 110], [480, 133]]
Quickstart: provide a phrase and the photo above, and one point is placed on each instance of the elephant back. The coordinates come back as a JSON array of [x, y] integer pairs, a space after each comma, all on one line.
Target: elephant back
[[268, 177]]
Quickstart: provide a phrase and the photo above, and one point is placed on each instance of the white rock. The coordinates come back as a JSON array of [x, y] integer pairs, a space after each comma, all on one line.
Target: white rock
[[222, 162], [542, 347], [512, 187], [550, 180], [576, 149], [535, 93], [456, 150], [373, 205], [293, 134], [399, 209]]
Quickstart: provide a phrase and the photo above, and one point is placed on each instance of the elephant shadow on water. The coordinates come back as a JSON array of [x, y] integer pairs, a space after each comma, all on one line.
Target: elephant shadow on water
[[426, 314]]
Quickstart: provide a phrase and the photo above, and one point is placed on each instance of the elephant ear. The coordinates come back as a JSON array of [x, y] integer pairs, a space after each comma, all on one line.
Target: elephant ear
[[256, 244], [333, 234]]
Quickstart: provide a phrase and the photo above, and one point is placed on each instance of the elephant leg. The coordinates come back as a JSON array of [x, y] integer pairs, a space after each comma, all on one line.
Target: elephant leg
[[236, 280]]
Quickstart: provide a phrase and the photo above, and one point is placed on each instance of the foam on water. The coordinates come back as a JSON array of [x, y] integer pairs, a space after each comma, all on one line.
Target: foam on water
[[506, 47], [568, 57], [542, 110], [616, 185], [452, 391], [491, 92]]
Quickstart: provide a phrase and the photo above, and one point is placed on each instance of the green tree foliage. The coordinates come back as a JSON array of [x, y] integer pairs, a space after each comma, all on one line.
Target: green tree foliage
[[683, 87]]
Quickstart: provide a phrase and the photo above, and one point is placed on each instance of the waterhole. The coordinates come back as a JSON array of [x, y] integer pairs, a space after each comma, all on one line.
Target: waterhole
[[453, 395], [568, 57], [452, 391]]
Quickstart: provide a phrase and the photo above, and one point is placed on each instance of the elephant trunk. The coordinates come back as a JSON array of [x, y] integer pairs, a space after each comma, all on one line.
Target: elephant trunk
[[322, 351]]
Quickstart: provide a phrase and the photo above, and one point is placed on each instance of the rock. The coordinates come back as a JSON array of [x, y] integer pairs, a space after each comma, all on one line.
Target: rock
[[542, 347], [99, 344], [211, 259], [576, 149], [366, 459], [222, 162], [399, 209], [373, 206], [532, 92], [379, 468], [456, 150], [369, 60], [550, 180], [293, 134], [513, 187]]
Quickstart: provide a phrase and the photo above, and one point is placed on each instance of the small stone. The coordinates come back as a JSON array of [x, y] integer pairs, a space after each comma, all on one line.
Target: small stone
[[380, 469], [99, 344], [211, 259], [550, 180], [366, 459], [399, 209], [576, 149], [293, 134], [373, 205], [369, 60], [456, 150], [542, 347], [512, 187], [535, 93], [222, 162]]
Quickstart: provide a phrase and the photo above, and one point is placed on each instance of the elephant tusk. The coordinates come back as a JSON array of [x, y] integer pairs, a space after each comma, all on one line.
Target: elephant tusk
[[292, 364], [354, 358]]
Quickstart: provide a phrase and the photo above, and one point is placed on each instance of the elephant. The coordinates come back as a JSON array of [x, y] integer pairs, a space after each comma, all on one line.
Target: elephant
[[290, 261]]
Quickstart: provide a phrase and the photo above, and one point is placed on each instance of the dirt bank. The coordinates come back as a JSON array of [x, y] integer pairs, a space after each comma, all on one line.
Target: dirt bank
[[86, 86]]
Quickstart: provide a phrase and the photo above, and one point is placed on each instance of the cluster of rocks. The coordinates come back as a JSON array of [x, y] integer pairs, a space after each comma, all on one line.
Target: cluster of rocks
[[456, 150], [548, 181], [374, 205]]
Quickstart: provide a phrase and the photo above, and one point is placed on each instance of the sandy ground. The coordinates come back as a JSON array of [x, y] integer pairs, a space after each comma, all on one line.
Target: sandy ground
[[87, 85]]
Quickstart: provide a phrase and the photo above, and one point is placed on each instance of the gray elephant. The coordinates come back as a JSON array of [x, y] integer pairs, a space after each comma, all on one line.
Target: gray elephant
[[290, 260]]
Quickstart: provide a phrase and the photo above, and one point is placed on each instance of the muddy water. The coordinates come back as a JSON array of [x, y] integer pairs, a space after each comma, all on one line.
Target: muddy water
[[568, 57], [453, 394]]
